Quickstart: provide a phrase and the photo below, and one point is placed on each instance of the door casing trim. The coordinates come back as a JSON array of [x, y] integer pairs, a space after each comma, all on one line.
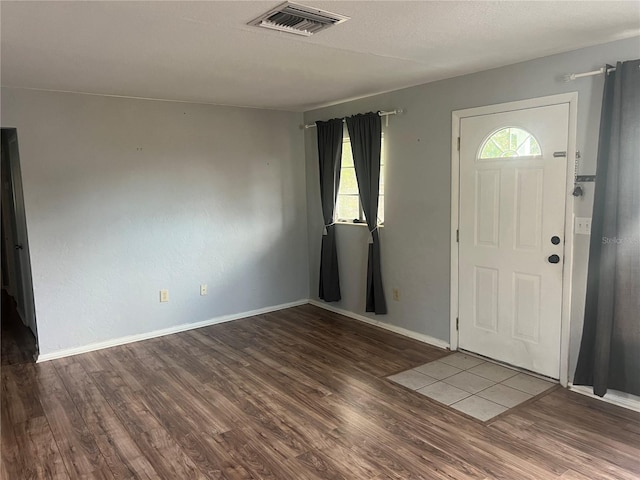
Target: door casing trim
[[567, 273]]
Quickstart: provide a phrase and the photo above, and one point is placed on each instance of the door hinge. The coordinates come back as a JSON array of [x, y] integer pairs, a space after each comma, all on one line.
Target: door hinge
[[457, 323], [458, 236], [458, 143]]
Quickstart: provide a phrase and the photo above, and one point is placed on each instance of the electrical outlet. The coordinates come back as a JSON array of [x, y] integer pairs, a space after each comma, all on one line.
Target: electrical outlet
[[582, 226], [203, 289], [164, 295], [396, 294]]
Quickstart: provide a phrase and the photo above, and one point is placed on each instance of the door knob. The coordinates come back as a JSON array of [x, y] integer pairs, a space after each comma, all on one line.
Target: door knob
[[18, 246], [554, 259]]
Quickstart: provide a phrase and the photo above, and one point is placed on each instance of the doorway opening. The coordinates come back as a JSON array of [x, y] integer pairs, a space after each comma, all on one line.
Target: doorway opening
[[19, 329], [512, 241]]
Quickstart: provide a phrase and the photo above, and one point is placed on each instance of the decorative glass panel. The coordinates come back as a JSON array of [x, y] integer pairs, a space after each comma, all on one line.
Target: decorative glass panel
[[510, 142]]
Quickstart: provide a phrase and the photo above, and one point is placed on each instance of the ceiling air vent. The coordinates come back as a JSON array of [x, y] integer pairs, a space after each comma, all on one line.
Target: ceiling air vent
[[298, 19]]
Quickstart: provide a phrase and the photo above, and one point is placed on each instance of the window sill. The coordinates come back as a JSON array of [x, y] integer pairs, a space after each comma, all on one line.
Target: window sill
[[339, 222]]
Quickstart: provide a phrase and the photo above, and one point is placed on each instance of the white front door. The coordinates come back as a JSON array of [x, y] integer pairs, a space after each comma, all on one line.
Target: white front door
[[512, 221]]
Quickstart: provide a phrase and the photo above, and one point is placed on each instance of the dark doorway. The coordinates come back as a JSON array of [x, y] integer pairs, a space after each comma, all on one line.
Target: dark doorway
[[19, 331]]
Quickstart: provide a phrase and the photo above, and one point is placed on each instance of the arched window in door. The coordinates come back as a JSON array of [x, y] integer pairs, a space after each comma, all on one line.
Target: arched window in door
[[509, 142]]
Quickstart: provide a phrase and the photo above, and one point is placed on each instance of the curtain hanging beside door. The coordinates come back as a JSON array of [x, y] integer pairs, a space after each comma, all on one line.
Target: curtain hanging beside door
[[610, 348]]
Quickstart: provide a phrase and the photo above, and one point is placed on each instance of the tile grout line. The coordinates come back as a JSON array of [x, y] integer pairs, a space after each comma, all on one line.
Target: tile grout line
[[501, 382], [476, 394]]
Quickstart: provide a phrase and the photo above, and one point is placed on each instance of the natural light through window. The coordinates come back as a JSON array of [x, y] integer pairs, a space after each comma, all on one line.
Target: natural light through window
[[348, 208], [510, 142]]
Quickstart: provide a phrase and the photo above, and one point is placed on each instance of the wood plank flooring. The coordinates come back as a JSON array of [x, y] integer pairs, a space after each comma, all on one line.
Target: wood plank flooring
[[297, 394]]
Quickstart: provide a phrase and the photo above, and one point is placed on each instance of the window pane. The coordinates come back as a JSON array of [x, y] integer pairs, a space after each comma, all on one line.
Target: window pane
[[348, 201], [347, 156], [491, 150], [348, 207], [348, 182], [518, 137], [383, 161], [529, 147], [501, 139]]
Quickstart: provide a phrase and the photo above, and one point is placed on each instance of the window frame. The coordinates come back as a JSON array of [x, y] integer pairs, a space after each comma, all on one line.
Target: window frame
[[361, 220]]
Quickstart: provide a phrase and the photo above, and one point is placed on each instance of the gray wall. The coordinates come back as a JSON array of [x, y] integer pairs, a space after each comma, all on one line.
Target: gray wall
[[415, 238], [125, 197]]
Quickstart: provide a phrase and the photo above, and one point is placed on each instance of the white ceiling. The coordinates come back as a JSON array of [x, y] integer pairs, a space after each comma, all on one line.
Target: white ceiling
[[204, 51]]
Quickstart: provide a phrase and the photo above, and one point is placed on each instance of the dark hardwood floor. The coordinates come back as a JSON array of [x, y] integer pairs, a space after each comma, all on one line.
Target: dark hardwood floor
[[296, 394]]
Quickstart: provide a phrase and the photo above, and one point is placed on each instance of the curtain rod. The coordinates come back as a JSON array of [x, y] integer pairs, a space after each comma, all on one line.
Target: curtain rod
[[600, 71], [397, 111]]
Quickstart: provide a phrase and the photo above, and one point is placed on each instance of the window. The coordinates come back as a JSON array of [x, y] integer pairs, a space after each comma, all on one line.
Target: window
[[510, 142], [348, 208]]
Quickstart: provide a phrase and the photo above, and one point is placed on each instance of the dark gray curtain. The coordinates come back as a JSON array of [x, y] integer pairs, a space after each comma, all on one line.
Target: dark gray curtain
[[610, 349], [329, 157], [365, 132]]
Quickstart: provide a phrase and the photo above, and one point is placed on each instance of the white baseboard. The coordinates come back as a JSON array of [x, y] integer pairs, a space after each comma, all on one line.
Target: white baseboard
[[165, 331], [621, 399], [436, 342], [227, 318]]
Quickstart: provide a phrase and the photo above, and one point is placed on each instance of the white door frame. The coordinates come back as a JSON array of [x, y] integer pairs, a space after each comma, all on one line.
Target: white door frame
[[567, 274]]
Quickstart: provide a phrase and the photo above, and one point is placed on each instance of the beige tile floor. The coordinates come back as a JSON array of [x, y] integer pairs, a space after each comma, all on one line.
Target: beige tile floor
[[471, 385]]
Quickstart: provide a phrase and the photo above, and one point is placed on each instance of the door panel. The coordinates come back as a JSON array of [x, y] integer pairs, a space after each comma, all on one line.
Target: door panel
[[24, 285], [486, 298], [528, 209], [512, 201], [487, 207], [526, 307]]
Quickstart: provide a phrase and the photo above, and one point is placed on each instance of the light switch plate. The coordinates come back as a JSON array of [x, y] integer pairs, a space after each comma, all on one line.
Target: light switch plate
[[582, 226]]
